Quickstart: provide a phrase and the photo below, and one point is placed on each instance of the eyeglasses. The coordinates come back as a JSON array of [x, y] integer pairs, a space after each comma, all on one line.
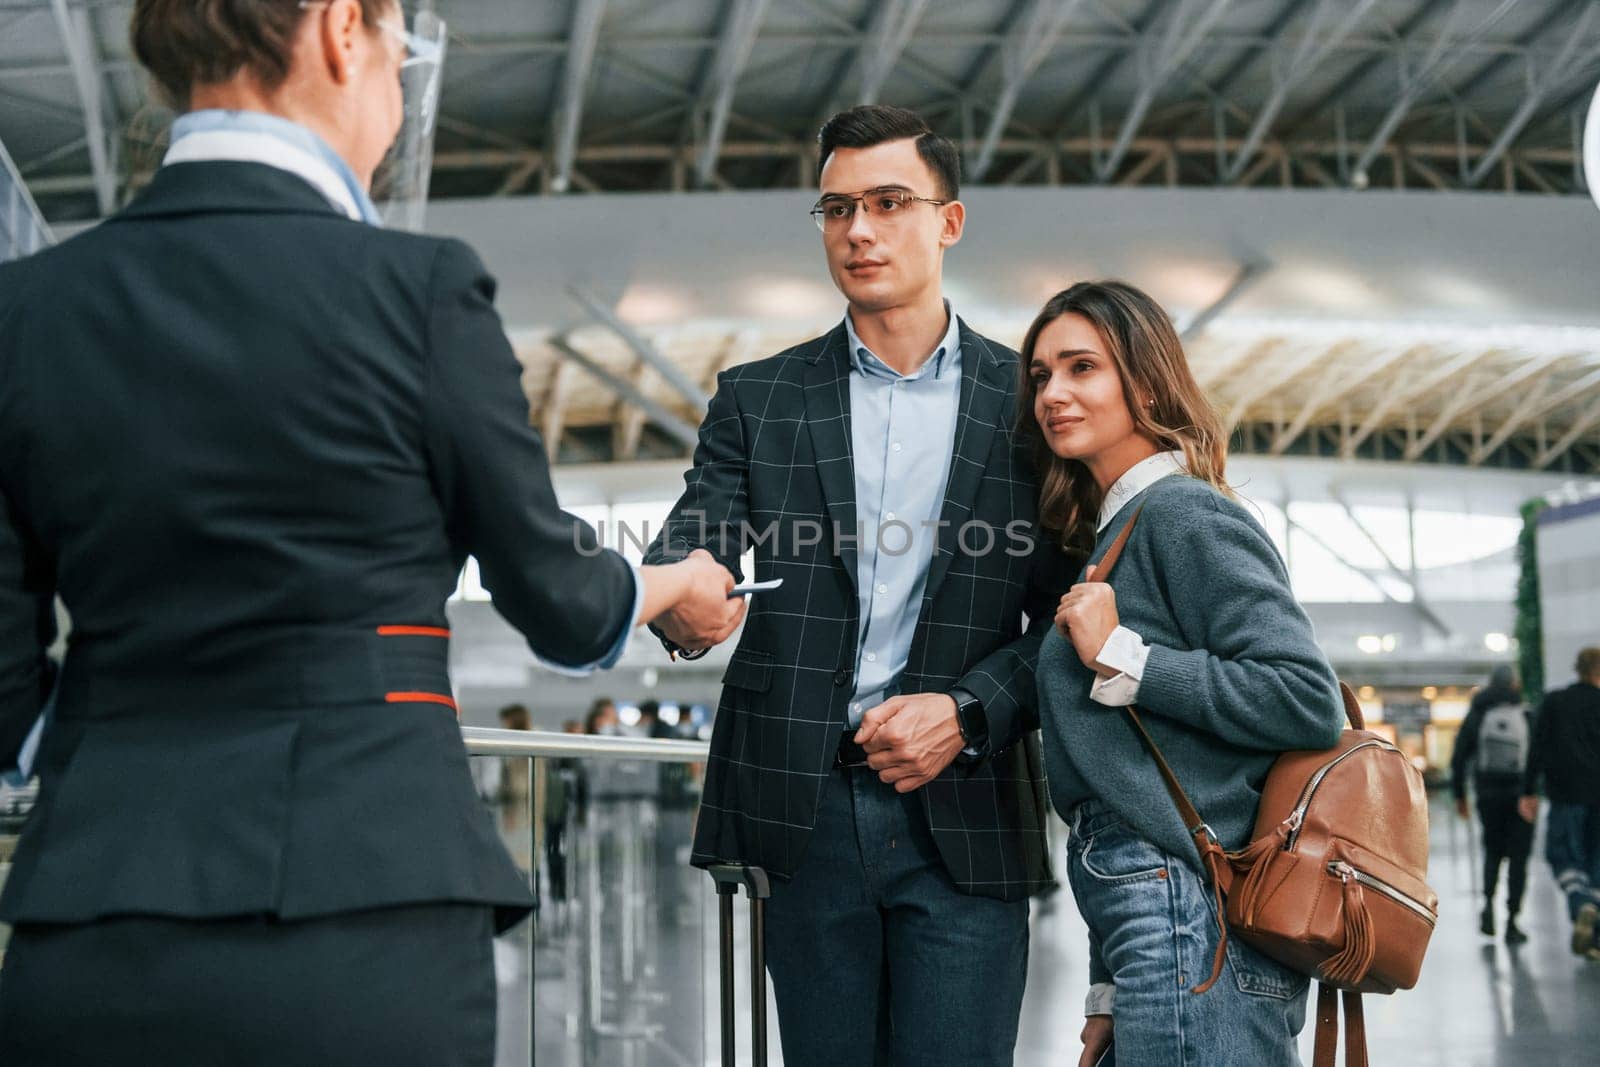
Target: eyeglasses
[[419, 49], [837, 211]]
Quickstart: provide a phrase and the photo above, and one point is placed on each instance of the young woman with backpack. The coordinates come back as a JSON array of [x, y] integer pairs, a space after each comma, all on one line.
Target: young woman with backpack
[[1204, 633]]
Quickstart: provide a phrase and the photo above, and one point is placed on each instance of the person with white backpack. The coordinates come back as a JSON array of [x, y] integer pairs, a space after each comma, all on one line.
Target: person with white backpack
[[1494, 741]]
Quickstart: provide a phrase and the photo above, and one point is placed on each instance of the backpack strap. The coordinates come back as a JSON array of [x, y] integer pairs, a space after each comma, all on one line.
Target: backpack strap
[[1213, 860], [1355, 1033]]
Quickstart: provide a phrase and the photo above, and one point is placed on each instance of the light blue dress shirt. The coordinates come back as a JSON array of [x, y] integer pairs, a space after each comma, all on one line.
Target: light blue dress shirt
[[902, 436]]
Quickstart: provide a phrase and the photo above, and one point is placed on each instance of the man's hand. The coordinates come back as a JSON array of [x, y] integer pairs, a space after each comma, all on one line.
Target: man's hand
[[703, 616], [1086, 617], [1096, 1037], [911, 739], [1462, 809], [1528, 808]]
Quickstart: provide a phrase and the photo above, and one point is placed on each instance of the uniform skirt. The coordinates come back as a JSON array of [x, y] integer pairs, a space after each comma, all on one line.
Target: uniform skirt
[[397, 986]]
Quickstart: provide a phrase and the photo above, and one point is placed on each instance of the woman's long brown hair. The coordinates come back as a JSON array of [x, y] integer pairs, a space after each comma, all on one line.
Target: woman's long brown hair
[[1144, 347]]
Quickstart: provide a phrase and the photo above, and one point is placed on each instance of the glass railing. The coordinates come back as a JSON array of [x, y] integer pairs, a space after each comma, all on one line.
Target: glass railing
[[22, 229], [618, 965]]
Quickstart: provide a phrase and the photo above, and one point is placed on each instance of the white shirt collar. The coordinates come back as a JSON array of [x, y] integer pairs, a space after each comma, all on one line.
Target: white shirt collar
[[1137, 479], [241, 146]]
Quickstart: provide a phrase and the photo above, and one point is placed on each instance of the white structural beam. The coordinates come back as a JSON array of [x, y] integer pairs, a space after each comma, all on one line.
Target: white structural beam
[[628, 428], [1237, 360], [1159, 59], [1284, 370], [1525, 410], [78, 39], [1369, 573], [740, 25], [1336, 383], [1585, 423], [1418, 603], [554, 422], [1541, 82], [1540, 403], [1315, 45], [674, 426], [1249, 274], [567, 119], [1414, 81], [1416, 386], [670, 372], [1026, 46], [1474, 396]]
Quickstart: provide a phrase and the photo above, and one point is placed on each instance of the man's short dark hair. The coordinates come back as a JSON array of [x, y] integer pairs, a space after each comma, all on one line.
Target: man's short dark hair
[[1588, 663], [875, 124], [650, 709]]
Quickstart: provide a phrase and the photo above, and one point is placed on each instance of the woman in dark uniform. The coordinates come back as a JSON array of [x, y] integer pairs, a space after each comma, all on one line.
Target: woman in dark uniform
[[249, 440]]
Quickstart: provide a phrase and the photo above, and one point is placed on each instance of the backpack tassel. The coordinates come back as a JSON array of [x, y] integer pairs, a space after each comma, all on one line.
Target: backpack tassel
[[1253, 862], [1350, 966]]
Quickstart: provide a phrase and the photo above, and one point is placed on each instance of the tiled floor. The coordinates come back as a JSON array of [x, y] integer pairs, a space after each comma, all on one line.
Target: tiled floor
[[1478, 1003]]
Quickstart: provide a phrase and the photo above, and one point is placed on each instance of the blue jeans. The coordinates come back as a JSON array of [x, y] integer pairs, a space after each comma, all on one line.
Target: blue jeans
[[1572, 845], [876, 958], [1153, 922]]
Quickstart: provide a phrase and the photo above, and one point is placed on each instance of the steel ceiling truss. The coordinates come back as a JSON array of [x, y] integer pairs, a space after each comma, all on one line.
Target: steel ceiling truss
[[1171, 128]]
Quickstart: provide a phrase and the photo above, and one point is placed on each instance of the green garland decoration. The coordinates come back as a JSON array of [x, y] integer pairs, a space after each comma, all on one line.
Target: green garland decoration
[[1530, 626]]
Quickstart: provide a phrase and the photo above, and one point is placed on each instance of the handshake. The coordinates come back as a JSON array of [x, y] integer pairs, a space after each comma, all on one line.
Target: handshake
[[688, 601]]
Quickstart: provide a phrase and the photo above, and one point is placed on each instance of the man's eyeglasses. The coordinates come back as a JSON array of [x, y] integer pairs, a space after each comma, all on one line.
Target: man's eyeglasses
[[837, 211]]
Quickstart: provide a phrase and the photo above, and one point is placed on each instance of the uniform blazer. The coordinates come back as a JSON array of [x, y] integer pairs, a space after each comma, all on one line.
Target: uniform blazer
[[249, 443], [773, 465]]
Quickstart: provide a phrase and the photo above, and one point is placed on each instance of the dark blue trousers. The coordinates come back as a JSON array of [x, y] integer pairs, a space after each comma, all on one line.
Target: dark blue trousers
[[1572, 845], [876, 958]]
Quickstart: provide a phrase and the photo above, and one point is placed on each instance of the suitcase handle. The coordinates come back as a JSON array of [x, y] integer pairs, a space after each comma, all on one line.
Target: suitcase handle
[[729, 877]]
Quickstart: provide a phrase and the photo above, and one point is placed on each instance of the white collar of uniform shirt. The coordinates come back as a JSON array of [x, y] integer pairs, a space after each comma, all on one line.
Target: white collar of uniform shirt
[[1137, 479]]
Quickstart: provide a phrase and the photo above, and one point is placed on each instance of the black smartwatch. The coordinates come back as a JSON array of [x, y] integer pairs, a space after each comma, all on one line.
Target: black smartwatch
[[974, 726]]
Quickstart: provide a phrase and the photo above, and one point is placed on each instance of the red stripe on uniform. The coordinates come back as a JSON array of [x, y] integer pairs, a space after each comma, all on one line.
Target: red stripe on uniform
[[422, 698], [412, 631]]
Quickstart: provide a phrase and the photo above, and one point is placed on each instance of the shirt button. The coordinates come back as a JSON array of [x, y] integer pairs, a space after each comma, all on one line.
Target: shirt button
[[872, 657], [896, 446], [888, 516], [883, 589]]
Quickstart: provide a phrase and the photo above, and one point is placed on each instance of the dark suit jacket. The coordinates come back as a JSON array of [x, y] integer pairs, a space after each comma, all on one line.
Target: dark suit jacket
[[774, 452], [250, 442]]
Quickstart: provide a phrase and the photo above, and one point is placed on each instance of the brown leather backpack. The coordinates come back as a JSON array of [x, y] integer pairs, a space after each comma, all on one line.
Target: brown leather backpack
[[1333, 882]]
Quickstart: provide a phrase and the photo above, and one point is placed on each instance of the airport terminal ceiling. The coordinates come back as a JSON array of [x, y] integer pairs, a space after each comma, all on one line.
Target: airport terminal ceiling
[[1369, 215], [639, 95]]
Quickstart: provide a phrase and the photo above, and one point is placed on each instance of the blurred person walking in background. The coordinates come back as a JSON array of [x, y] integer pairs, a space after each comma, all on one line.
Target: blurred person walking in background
[[1564, 765], [1493, 747]]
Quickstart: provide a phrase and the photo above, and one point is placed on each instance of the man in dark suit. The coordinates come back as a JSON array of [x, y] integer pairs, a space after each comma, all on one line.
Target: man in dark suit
[[249, 440], [875, 748]]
